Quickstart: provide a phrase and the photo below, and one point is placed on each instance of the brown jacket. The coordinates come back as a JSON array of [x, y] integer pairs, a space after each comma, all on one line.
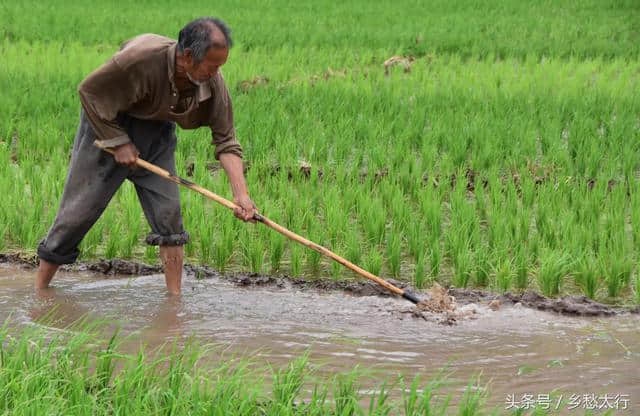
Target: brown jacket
[[139, 80]]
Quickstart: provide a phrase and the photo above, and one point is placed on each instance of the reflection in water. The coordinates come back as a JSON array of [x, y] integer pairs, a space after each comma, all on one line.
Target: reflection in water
[[521, 351], [167, 321], [53, 308]]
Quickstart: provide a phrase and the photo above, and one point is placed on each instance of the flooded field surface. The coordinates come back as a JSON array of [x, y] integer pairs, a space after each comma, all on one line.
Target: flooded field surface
[[517, 350]]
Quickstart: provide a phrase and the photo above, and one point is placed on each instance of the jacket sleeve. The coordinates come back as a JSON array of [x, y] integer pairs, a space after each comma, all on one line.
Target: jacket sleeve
[[103, 94], [221, 121]]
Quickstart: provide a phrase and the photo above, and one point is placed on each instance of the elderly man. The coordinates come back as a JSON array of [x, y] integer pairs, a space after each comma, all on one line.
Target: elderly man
[[131, 105]]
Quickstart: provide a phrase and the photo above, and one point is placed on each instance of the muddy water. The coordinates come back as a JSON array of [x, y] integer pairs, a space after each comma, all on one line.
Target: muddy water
[[518, 351]]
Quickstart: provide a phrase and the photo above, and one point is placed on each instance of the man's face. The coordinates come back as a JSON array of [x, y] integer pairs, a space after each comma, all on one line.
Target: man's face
[[215, 58]]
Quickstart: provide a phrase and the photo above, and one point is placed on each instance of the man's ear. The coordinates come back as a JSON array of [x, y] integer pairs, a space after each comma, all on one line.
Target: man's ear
[[187, 56]]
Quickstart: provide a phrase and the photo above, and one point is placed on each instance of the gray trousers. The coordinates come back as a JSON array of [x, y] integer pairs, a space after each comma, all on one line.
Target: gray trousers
[[94, 177]]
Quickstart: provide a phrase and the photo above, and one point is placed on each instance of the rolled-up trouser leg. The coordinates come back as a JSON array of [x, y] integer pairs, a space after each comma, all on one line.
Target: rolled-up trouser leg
[[92, 180]]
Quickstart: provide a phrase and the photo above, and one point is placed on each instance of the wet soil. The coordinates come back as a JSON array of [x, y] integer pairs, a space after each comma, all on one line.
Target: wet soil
[[518, 350]]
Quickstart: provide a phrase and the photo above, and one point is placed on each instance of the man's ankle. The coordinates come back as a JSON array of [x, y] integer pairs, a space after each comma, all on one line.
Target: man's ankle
[[46, 271], [172, 261]]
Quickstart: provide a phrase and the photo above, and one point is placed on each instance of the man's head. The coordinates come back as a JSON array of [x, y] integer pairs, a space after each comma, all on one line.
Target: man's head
[[203, 47]]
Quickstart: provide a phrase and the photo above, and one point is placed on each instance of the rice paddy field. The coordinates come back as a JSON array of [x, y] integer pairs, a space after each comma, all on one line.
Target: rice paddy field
[[501, 151], [491, 145]]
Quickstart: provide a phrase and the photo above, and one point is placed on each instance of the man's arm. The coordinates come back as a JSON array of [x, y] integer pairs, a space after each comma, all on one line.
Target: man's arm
[[104, 93], [228, 151], [233, 166]]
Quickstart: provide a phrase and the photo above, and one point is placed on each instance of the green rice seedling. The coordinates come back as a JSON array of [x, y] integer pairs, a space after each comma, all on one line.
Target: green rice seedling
[[354, 246], [544, 226], [587, 275], [190, 250], [616, 272], [150, 254], [223, 244], [255, 253], [455, 243], [3, 236], [522, 262], [373, 261], [314, 258], [336, 269], [435, 259], [636, 287], [345, 395], [336, 218], [276, 251], [128, 244], [482, 266], [523, 224], [416, 238], [463, 219], [528, 187], [313, 261], [421, 400], [205, 243], [481, 204], [473, 399], [432, 213], [551, 272], [463, 268], [534, 248], [400, 212], [111, 249], [296, 260], [504, 274], [419, 273], [635, 215], [394, 252], [223, 248], [92, 240], [287, 383], [379, 403], [374, 220], [497, 231]]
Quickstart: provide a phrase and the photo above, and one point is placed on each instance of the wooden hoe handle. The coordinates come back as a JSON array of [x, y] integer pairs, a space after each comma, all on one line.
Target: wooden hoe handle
[[266, 221]]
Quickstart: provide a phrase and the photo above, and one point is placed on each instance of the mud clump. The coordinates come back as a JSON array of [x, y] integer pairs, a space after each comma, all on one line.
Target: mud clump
[[120, 267], [404, 61], [16, 258], [352, 287], [255, 279], [495, 304], [440, 307], [567, 305], [247, 85], [355, 288]]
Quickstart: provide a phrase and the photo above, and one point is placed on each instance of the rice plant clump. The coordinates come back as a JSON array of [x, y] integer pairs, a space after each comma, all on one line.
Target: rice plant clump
[[77, 372]]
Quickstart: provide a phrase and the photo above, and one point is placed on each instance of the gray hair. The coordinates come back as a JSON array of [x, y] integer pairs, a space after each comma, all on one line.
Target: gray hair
[[197, 37]]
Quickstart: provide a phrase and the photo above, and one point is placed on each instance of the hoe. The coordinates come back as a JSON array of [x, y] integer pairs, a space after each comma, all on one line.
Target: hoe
[[282, 230]]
